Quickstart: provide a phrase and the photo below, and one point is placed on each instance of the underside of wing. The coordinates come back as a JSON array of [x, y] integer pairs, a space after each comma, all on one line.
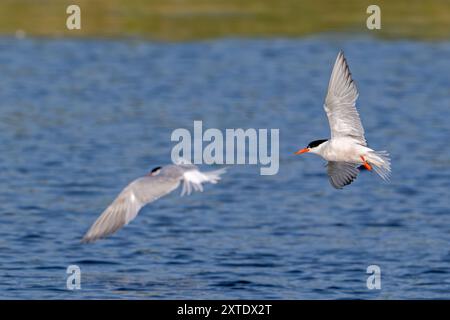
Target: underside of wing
[[340, 103], [341, 173]]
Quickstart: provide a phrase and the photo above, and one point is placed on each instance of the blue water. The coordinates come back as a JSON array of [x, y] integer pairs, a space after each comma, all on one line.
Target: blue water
[[79, 119]]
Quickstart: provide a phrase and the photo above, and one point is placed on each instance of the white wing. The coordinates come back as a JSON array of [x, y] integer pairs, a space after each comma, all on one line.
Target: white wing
[[128, 203], [340, 103], [341, 173]]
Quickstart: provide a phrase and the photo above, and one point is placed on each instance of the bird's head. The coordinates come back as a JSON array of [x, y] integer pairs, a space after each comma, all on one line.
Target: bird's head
[[313, 146], [154, 171]]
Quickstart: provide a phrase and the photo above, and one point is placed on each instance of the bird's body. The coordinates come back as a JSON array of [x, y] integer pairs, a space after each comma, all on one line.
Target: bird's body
[[342, 149], [347, 148], [144, 190]]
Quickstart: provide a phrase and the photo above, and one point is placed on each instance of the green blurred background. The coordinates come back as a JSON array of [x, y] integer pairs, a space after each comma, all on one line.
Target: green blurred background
[[177, 20]]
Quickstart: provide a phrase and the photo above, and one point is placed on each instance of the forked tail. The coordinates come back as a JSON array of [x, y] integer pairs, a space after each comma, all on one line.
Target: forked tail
[[381, 163]]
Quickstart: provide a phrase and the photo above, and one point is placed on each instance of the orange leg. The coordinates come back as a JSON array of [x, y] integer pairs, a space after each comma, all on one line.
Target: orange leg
[[366, 164]]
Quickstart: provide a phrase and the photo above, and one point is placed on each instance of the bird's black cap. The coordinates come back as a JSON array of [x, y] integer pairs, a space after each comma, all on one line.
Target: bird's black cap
[[155, 169], [315, 143]]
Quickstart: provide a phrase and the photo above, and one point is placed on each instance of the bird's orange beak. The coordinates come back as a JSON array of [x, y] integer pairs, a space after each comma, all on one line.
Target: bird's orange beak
[[302, 151]]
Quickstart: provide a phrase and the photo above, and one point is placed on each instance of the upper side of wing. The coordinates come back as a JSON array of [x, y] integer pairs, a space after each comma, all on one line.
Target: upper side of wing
[[119, 213], [128, 203], [340, 103]]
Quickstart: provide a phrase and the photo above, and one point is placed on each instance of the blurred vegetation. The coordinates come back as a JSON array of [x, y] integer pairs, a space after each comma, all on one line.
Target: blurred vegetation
[[202, 19]]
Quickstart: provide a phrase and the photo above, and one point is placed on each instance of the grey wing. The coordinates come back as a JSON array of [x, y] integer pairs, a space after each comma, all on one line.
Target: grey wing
[[128, 203], [340, 103], [341, 173]]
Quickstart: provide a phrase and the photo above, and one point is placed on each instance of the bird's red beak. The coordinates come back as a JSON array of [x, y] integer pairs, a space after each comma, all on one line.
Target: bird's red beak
[[302, 151]]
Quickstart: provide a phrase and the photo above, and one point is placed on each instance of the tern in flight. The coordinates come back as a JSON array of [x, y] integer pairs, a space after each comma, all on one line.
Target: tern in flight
[[144, 190], [346, 151]]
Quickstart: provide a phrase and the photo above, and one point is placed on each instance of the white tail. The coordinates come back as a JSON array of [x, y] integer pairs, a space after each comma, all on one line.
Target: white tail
[[193, 179], [214, 176], [381, 163]]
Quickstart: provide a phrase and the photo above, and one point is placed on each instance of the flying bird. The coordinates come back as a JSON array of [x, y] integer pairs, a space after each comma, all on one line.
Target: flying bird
[[346, 151], [144, 190]]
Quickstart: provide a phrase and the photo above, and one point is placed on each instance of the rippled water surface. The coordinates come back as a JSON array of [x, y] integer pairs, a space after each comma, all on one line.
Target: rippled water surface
[[79, 119]]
